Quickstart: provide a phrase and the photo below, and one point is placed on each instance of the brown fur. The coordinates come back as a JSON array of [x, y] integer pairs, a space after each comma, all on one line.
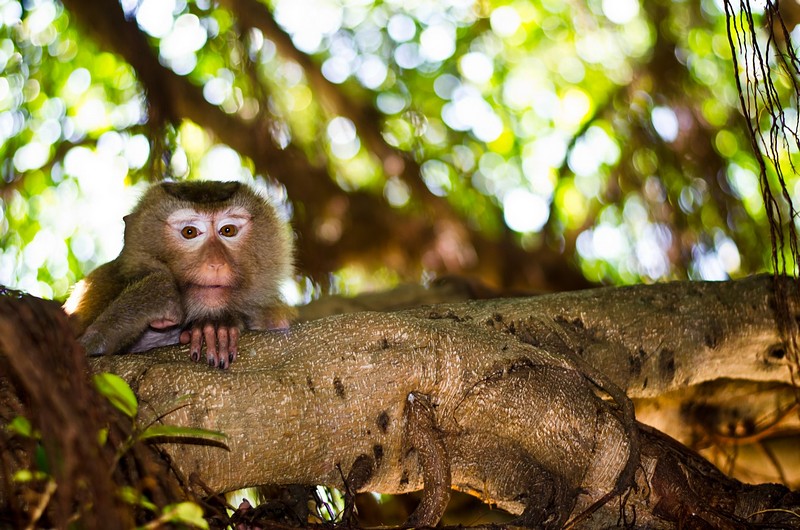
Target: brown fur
[[165, 287]]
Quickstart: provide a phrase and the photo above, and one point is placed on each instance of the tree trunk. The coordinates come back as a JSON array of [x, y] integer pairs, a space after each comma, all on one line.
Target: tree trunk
[[521, 402]]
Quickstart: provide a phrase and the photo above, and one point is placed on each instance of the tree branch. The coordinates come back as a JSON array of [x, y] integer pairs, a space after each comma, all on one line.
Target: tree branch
[[506, 381]]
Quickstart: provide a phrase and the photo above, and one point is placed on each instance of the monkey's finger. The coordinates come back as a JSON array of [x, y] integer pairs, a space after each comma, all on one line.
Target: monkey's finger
[[222, 353], [210, 336], [233, 344], [196, 339], [186, 337]]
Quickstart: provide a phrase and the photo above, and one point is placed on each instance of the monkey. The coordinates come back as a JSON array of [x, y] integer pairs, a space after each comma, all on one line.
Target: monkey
[[200, 262]]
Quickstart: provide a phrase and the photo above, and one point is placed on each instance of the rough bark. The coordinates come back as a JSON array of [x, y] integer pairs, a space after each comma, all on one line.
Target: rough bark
[[44, 379], [518, 393], [741, 417]]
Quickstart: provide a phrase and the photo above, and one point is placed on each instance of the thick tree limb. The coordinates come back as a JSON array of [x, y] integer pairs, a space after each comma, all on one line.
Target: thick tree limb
[[750, 400], [522, 424], [651, 339]]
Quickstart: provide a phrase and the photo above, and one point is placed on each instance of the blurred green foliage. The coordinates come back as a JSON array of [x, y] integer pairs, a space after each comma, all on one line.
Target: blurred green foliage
[[609, 129]]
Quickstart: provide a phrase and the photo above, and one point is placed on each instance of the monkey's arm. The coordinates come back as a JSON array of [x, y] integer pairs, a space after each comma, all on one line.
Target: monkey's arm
[[92, 295], [153, 299]]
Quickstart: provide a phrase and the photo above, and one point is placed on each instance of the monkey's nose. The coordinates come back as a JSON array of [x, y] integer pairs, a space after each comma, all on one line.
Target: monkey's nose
[[215, 266]]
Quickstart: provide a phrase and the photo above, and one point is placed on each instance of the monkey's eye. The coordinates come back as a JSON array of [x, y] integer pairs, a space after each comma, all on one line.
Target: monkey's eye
[[229, 230], [189, 232]]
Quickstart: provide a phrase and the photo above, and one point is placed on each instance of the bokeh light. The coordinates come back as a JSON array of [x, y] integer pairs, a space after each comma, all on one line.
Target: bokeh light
[[550, 120]]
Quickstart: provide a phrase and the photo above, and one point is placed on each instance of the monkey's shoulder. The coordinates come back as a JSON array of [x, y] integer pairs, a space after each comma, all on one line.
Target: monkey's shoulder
[[102, 286], [91, 295]]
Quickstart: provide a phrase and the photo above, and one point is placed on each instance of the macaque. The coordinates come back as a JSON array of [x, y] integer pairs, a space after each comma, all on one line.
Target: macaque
[[201, 262]]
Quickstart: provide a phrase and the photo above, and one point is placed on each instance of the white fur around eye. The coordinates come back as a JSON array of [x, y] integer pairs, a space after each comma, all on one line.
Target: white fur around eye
[[235, 216], [180, 219], [235, 221]]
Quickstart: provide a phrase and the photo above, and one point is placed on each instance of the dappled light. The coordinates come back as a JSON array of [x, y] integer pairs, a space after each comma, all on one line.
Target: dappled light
[[605, 132]]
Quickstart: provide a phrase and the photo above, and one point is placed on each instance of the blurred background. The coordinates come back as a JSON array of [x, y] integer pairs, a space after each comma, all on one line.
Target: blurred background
[[530, 145], [535, 145]]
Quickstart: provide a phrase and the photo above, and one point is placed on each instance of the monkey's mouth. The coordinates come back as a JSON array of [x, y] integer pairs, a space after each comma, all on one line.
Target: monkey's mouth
[[210, 295], [208, 286]]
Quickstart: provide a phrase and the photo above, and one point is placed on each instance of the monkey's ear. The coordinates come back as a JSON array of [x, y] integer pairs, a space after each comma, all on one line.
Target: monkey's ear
[[128, 219]]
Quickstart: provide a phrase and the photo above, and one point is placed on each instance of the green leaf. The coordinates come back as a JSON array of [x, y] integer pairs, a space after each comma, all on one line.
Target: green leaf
[[135, 498], [41, 459], [128, 495], [174, 431], [117, 391], [21, 426], [102, 436], [186, 513], [26, 475], [23, 475]]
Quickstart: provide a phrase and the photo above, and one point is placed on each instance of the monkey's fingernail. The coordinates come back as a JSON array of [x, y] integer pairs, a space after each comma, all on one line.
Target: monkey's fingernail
[[212, 362], [195, 356], [230, 357]]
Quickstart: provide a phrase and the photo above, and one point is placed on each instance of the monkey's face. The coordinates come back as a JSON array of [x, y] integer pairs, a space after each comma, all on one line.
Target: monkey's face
[[204, 249]]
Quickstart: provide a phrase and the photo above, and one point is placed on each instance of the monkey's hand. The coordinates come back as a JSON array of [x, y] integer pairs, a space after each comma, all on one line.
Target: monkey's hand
[[221, 340]]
